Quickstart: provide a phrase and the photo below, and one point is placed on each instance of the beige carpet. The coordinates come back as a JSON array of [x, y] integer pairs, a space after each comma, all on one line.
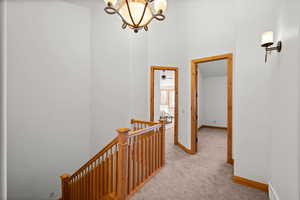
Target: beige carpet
[[204, 176]]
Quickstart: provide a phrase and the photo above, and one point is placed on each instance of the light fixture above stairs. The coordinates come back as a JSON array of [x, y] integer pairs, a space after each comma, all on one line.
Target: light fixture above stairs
[[137, 14]]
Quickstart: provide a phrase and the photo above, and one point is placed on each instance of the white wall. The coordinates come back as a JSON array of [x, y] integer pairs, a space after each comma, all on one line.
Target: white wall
[[234, 26], [167, 47], [285, 102], [208, 34], [157, 82], [119, 77], [201, 99], [48, 95], [253, 87], [3, 135], [215, 101], [110, 78]]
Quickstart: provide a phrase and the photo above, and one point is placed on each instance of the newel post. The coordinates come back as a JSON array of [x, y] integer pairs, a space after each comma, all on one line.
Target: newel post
[[122, 163], [65, 192], [162, 131]]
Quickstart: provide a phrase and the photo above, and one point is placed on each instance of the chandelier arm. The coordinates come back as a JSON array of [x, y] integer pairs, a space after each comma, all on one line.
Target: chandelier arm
[[159, 17], [144, 11], [111, 10], [115, 12], [128, 7]]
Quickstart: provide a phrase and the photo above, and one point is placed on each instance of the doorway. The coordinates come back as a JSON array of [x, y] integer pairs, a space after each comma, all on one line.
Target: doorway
[[195, 96], [164, 96]]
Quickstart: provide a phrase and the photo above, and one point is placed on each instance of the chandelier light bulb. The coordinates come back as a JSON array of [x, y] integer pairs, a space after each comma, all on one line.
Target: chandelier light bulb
[[112, 2], [160, 5]]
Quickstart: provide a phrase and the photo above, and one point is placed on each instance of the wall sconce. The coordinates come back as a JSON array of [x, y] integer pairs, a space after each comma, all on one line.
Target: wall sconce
[[267, 40]]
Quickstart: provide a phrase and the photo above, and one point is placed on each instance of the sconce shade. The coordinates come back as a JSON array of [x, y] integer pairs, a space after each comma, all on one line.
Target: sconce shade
[[267, 39]]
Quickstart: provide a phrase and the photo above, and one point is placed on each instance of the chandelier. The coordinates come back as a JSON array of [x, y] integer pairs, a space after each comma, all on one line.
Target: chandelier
[[137, 14]]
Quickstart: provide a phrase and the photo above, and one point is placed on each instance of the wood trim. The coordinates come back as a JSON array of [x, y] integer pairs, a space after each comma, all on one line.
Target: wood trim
[[213, 127], [164, 68], [229, 108], [212, 58], [254, 184], [184, 148], [175, 69], [194, 102], [194, 107], [230, 161]]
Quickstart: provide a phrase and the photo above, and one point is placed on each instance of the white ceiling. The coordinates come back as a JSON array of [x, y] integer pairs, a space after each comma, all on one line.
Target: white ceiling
[[213, 68]]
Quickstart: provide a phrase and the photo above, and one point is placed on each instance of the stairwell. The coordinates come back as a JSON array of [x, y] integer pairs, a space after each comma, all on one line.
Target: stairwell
[[122, 167]]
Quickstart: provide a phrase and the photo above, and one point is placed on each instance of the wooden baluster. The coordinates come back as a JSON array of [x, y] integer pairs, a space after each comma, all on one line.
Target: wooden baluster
[[85, 184], [122, 163], [65, 186], [106, 176], [80, 186], [154, 151], [147, 156], [113, 170], [163, 132], [89, 181], [151, 154], [117, 173], [137, 160], [159, 148], [93, 182], [129, 165], [134, 162], [109, 174], [101, 177], [140, 160], [96, 196], [77, 188], [70, 189], [144, 159]]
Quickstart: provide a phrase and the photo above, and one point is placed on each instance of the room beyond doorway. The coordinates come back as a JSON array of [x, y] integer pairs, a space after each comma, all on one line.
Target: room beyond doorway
[[164, 97], [195, 96]]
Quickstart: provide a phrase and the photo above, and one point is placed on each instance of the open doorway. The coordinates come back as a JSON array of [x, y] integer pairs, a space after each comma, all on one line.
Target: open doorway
[[215, 109], [164, 97]]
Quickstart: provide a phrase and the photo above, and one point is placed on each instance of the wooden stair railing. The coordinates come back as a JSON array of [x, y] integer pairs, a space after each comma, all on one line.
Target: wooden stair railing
[[122, 167]]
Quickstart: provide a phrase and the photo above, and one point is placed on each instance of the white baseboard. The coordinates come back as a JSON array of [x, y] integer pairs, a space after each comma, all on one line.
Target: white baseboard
[[272, 193]]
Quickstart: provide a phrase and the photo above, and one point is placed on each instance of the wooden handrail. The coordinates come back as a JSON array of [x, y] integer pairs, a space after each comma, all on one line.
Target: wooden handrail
[[144, 130], [121, 167], [143, 122], [103, 151]]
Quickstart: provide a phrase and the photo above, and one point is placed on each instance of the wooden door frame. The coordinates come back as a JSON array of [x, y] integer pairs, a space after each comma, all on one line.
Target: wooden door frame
[[194, 101], [175, 69]]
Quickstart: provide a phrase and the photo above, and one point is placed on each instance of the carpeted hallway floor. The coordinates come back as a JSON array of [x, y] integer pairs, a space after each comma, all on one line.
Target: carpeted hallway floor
[[204, 176]]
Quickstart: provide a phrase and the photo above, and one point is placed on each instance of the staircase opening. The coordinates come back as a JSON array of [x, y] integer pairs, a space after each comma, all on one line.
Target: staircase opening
[[122, 167]]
